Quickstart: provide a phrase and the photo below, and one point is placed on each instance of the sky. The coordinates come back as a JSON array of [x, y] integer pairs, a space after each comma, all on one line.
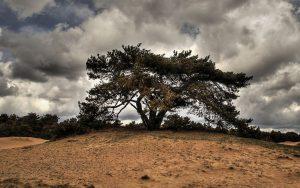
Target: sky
[[44, 45]]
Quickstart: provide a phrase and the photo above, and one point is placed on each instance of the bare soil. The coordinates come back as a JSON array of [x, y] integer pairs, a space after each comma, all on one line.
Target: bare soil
[[17, 142], [288, 143], [151, 159]]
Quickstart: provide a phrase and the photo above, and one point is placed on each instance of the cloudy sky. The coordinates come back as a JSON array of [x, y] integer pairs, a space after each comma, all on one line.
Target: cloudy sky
[[44, 45]]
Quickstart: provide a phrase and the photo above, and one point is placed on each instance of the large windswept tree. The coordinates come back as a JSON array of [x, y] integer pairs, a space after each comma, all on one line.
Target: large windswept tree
[[154, 84]]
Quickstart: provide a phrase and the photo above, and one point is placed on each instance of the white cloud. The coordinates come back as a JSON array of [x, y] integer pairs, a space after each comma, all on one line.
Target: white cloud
[[58, 96], [275, 100], [26, 8], [261, 38]]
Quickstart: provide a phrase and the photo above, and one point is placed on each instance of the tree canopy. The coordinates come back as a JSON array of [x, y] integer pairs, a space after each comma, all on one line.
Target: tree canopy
[[154, 85]]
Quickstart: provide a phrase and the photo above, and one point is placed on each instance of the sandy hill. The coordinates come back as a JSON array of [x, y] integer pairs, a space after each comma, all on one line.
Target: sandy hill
[[151, 159], [18, 142]]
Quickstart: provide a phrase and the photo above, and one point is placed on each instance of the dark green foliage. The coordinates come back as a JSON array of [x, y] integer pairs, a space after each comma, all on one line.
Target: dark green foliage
[[117, 123], [274, 136], [92, 117], [48, 119], [277, 136], [176, 122], [154, 85], [249, 132], [4, 118], [93, 125], [135, 126], [67, 128], [32, 125], [47, 127], [19, 126]]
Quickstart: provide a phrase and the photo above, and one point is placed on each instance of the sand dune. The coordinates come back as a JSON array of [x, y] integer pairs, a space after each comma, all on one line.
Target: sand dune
[[290, 143], [151, 159], [17, 142]]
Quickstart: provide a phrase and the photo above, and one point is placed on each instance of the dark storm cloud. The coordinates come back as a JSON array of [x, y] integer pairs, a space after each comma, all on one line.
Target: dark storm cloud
[[276, 56], [296, 11], [39, 55], [283, 83], [48, 44], [190, 30], [6, 55], [23, 71], [275, 101], [59, 92], [28, 8], [5, 89], [69, 12], [8, 17], [260, 46], [72, 13], [193, 11]]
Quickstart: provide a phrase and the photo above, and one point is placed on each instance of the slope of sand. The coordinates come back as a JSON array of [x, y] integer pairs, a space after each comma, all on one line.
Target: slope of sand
[[17, 142], [151, 159], [288, 143]]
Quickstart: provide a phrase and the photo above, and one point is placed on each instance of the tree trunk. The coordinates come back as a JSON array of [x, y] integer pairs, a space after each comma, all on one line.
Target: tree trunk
[[156, 120]]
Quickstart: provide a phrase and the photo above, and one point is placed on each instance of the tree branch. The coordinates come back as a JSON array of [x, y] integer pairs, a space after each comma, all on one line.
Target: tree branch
[[133, 106], [126, 101], [122, 109]]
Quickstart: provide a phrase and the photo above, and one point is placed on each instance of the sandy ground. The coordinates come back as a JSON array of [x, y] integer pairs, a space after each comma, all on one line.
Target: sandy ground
[[151, 159], [290, 143], [17, 142]]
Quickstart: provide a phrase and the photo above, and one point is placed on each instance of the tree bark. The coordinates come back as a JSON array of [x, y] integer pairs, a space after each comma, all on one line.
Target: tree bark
[[155, 118], [141, 112]]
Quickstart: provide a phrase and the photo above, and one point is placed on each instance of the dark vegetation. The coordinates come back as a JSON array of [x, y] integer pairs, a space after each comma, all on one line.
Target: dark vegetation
[[153, 85], [33, 125], [177, 123], [48, 127]]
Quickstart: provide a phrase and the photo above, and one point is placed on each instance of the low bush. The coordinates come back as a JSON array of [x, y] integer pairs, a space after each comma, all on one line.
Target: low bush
[[135, 126], [48, 127], [176, 122], [45, 126], [274, 136], [67, 128]]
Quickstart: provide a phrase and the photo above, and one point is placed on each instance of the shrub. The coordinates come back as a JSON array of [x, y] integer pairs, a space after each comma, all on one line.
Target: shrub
[[274, 136], [48, 119], [45, 126], [4, 118], [135, 126], [277, 136], [176, 122], [116, 124], [67, 128], [249, 132]]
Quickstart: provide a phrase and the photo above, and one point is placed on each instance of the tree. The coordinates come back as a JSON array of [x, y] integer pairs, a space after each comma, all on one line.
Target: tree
[[30, 119], [4, 118], [154, 85], [48, 119]]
